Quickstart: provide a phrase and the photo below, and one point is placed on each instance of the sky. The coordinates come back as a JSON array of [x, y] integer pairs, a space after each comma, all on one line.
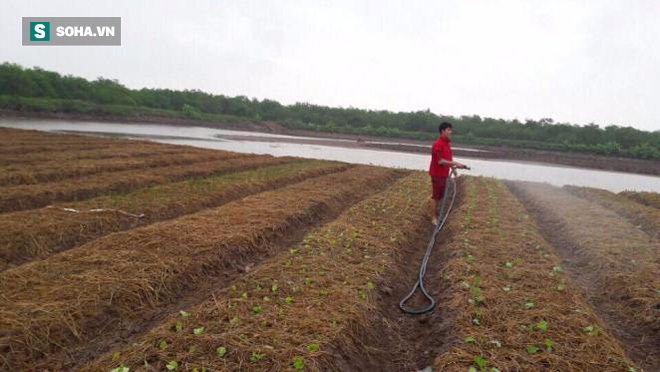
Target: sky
[[574, 61]]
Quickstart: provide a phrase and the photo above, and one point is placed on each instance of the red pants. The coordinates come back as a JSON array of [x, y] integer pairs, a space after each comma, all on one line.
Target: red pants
[[439, 183]]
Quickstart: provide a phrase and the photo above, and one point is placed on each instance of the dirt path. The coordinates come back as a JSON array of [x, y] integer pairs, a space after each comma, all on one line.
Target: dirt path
[[615, 263]]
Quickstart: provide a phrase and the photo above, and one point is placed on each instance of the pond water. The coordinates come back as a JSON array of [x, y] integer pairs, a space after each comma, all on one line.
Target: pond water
[[212, 138]]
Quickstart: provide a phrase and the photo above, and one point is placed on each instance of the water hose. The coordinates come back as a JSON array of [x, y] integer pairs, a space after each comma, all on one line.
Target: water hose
[[422, 270]]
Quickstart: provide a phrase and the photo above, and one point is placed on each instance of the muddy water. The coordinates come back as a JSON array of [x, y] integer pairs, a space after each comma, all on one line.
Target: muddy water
[[252, 142]]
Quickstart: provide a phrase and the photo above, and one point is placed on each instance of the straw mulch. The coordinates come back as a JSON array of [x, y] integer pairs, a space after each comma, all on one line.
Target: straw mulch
[[40, 195], [71, 169], [645, 217], [38, 233], [616, 264], [301, 306], [513, 305], [114, 283], [652, 199]]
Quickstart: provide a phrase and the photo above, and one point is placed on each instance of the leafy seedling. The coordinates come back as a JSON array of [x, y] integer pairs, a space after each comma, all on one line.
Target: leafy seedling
[[557, 269], [221, 351], [542, 325], [529, 304], [591, 330], [163, 344], [288, 300], [257, 309], [549, 344], [121, 368], [312, 347], [172, 365], [184, 314], [178, 325], [469, 339], [508, 265], [480, 361], [298, 363], [531, 349], [371, 285], [256, 356], [198, 331]]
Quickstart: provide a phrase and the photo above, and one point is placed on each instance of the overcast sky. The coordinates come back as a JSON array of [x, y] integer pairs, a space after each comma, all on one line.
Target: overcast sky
[[574, 61]]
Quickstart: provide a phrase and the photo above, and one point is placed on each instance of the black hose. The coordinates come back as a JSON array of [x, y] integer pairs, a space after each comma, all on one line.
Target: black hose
[[429, 248]]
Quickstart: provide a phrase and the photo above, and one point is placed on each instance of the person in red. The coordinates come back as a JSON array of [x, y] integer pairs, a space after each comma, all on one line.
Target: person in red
[[441, 161]]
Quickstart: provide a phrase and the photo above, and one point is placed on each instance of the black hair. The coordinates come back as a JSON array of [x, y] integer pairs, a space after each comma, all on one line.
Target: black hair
[[444, 126]]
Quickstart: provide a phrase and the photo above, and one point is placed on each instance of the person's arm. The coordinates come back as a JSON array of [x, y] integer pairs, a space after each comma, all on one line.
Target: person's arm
[[450, 163]]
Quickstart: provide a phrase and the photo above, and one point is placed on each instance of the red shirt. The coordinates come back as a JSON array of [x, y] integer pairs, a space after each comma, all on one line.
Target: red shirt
[[440, 150]]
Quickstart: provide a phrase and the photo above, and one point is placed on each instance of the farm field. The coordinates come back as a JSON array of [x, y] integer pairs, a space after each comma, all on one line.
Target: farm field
[[119, 255]]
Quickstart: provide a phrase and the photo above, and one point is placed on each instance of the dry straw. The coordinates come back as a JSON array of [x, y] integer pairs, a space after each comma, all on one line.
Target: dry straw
[[38, 233], [616, 264], [71, 298]]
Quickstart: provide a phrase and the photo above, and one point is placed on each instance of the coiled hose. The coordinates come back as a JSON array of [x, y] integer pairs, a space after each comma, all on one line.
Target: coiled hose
[[429, 248]]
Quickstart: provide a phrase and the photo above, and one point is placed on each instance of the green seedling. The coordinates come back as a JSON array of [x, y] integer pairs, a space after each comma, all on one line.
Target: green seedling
[[121, 368], [184, 314], [531, 349], [529, 304], [591, 330], [465, 285], [557, 269], [256, 356], [542, 325], [508, 265], [221, 351], [371, 285], [163, 344], [469, 340], [257, 309], [172, 365], [198, 331], [274, 288], [549, 344], [288, 300], [312, 347], [178, 325], [362, 294], [480, 361], [298, 363]]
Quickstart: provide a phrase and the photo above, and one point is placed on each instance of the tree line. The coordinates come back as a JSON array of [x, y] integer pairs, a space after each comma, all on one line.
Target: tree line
[[71, 93]]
